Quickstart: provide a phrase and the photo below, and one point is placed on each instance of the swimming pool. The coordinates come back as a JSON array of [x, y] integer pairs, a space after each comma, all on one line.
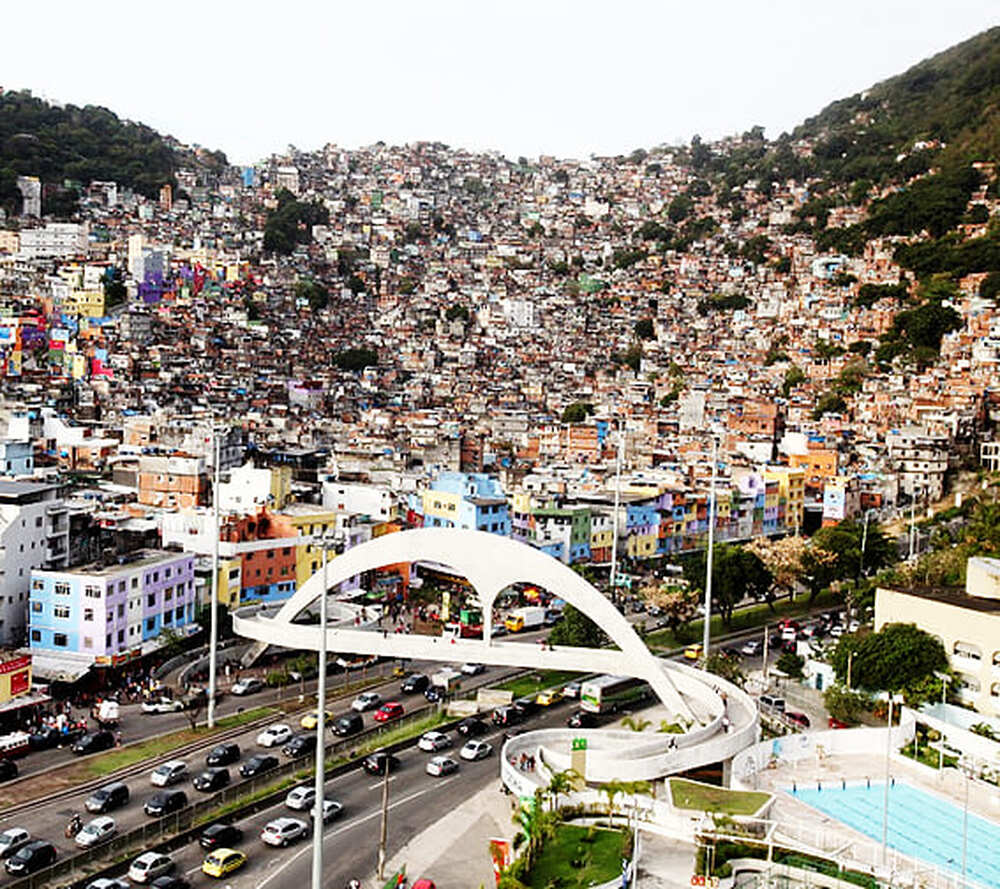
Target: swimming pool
[[920, 825]]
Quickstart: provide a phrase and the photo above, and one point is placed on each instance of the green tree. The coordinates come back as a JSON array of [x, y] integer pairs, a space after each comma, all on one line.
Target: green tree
[[577, 629], [456, 312], [313, 292], [893, 659], [843, 705], [644, 329], [680, 208], [355, 359], [726, 666], [636, 723], [794, 376], [577, 412], [736, 573], [791, 664], [829, 403]]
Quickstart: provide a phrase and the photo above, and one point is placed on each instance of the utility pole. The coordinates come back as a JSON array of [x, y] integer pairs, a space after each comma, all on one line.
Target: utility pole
[[708, 561], [317, 851], [612, 577], [765, 656], [385, 822], [213, 637]]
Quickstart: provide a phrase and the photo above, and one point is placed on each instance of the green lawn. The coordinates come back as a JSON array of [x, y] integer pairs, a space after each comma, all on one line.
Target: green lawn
[[578, 857], [748, 618], [535, 681], [708, 798]]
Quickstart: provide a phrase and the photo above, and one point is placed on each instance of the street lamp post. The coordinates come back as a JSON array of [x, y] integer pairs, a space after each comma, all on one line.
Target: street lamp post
[[850, 661], [213, 635], [706, 634], [317, 851], [885, 803], [613, 574], [945, 679], [967, 770]]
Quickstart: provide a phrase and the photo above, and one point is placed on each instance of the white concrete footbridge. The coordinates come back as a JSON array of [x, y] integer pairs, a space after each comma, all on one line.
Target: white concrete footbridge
[[491, 564]]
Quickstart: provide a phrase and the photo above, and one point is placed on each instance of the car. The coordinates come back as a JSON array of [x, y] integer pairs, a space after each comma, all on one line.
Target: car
[[164, 802], [433, 693], [836, 723], [94, 742], [331, 809], [110, 796], [148, 866], [415, 683], [572, 690], [222, 862], [552, 617], [31, 857], [170, 881], [311, 720], [378, 763], [12, 839], [752, 647], [46, 738], [249, 686], [348, 724], [836, 631], [693, 652], [110, 883], [283, 831], [389, 711], [431, 742], [367, 700], [223, 755], [258, 764], [581, 719], [172, 772], [773, 703], [300, 798], [299, 745], [548, 697], [424, 884], [95, 831], [508, 715], [274, 735], [475, 750], [220, 835], [797, 718], [472, 669], [440, 766], [162, 705], [211, 779], [472, 726]]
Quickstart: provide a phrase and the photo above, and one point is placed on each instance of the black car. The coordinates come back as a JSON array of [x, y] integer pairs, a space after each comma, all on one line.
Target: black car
[[581, 719], [257, 765], [164, 802], [552, 617], [211, 779], [376, 763], [8, 769], [415, 684], [94, 742], [47, 738], [508, 715], [349, 724], [223, 755], [299, 745], [169, 881], [220, 836], [472, 726], [107, 798], [433, 693], [528, 705], [30, 858]]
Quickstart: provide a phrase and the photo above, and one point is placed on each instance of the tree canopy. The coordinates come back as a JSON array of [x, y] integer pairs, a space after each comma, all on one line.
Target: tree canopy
[[896, 658], [291, 222], [736, 573], [577, 629]]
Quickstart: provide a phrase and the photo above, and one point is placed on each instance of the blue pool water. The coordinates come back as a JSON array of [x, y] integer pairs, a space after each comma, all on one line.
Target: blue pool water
[[920, 825]]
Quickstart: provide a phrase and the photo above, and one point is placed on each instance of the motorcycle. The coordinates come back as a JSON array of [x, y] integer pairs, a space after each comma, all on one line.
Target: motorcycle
[[74, 826]]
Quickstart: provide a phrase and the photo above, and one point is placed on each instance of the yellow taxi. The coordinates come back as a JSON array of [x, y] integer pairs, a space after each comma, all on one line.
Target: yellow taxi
[[223, 862], [310, 720], [693, 652], [548, 697]]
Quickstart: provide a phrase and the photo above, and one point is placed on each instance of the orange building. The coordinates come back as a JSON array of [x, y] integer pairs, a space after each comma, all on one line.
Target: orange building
[[179, 481], [266, 547]]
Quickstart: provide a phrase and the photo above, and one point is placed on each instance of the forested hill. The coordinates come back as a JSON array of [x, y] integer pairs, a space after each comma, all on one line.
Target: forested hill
[[67, 143]]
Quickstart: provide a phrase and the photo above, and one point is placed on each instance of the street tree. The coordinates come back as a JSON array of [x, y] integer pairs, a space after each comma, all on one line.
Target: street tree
[[577, 629], [895, 658], [737, 573]]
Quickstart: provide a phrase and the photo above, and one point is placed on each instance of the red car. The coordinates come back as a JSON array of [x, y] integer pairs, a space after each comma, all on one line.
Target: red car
[[836, 723], [391, 710]]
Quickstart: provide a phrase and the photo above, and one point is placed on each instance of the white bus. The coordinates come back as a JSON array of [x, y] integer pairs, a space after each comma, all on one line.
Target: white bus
[[609, 694]]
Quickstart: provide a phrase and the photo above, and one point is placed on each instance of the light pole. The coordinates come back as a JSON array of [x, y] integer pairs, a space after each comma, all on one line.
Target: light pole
[[945, 679], [850, 661], [706, 634], [213, 635], [968, 768], [885, 804], [317, 865], [612, 577]]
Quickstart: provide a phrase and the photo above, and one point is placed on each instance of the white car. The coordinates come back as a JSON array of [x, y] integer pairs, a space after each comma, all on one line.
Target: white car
[[476, 749], [368, 700], [249, 686], [96, 831], [274, 735], [331, 809], [283, 831], [12, 839], [439, 766], [148, 866], [301, 798], [431, 742], [169, 773], [108, 883], [162, 705], [472, 669]]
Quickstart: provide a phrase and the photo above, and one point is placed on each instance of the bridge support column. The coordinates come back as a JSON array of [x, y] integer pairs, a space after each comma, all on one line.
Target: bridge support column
[[727, 772]]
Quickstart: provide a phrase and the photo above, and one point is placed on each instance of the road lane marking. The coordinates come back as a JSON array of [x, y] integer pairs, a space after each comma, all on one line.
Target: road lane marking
[[380, 783]]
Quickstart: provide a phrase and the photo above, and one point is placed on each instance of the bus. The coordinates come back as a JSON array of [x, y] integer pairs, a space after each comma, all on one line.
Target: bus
[[609, 694]]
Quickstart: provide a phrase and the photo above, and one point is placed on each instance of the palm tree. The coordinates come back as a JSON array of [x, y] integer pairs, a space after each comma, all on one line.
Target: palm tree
[[530, 819], [636, 723], [562, 782], [611, 789]]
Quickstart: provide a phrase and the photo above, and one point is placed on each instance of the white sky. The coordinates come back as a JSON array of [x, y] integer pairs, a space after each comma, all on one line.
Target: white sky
[[563, 77]]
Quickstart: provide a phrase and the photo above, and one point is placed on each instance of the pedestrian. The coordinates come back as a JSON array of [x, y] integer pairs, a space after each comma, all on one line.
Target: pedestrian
[[118, 739], [725, 724]]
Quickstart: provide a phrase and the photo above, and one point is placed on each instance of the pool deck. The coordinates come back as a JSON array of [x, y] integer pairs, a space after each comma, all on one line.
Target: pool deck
[[812, 827]]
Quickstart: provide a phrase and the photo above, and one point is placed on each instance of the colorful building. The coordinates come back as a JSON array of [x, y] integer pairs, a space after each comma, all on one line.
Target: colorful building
[[466, 500]]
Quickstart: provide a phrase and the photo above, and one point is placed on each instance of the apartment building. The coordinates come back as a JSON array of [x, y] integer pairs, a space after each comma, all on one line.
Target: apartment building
[[178, 481]]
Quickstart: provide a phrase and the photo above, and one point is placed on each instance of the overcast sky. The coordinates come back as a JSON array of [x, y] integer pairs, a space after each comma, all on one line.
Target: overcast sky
[[523, 76]]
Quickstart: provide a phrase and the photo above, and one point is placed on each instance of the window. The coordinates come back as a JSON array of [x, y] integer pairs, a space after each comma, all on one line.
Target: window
[[121, 636], [92, 592], [61, 588], [150, 623], [166, 574], [168, 617], [121, 586], [168, 594], [36, 636], [88, 642], [60, 640], [179, 612], [37, 584], [135, 583], [234, 573], [61, 611], [36, 607], [156, 577], [107, 641], [88, 613], [38, 519], [121, 611], [270, 553], [151, 599]]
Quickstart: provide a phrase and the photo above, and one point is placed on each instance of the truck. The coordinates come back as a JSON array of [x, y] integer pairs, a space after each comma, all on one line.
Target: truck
[[529, 618], [106, 713], [447, 679]]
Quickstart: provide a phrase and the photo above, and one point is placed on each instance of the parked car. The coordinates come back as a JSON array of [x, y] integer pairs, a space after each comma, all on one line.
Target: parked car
[[149, 866], [439, 766], [797, 718], [165, 802], [162, 705], [331, 809], [472, 726], [377, 763], [31, 857], [223, 755], [473, 669], [475, 749], [109, 797], [415, 683], [94, 742], [348, 724], [8, 769], [773, 703], [95, 831], [249, 686], [581, 719], [110, 883], [367, 700], [693, 652], [300, 798], [431, 742], [424, 884], [752, 647], [211, 780], [388, 712], [172, 772], [258, 764], [299, 745], [836, 723], [220, 836], [274, 735], [12, 839], [222, 862], [283, 831]]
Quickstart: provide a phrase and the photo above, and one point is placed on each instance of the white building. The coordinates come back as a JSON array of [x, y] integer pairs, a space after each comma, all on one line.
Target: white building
[[370, 500], [56, 239]]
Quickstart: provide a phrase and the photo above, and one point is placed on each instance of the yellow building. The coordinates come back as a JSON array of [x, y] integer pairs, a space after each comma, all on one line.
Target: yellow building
[[792, 488], [230, 581], [442, 505], [967, 623], [309, 520], [85, 303]]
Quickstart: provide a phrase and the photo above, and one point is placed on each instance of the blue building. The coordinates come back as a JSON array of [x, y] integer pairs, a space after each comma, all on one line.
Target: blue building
[[466, 500], [17, 458]]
